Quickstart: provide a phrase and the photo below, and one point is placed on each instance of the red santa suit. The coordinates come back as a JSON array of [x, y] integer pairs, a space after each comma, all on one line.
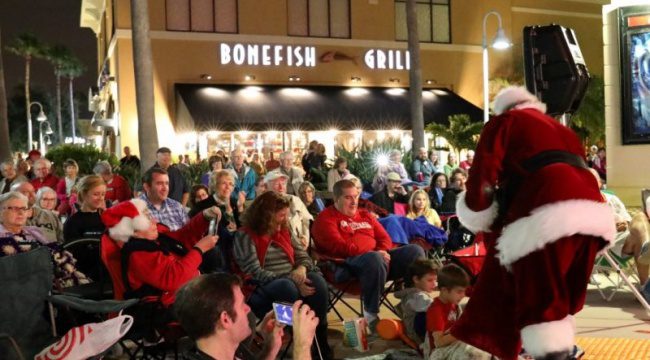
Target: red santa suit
[[541, 248]]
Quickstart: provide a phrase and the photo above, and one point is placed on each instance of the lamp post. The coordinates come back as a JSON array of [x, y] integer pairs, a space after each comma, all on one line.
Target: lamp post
[[500, 42], [40, 118], [41, 139]]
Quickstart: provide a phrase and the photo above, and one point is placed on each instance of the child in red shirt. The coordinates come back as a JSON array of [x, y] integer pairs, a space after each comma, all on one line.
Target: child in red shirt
[[443, 313]]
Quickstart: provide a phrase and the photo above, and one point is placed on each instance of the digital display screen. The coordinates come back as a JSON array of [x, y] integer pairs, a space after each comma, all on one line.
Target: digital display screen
[[639, 63]]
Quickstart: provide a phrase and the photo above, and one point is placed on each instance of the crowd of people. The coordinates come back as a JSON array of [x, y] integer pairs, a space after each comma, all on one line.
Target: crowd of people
[[270, 218]]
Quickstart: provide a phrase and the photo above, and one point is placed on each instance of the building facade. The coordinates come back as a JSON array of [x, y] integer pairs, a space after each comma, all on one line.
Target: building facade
[[306, 44]]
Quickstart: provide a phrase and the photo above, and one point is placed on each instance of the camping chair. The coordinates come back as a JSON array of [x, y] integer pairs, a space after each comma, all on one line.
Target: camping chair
[[87, 254], [471, 260], [165, 338], [620, 272]]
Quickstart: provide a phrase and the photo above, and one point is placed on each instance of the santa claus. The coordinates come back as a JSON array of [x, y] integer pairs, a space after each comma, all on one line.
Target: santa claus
[[544, 220]]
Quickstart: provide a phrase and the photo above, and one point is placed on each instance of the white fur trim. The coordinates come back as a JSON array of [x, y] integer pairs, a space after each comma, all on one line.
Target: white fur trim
[[475, 221], [549, 337], [141, 222], [552, 222], [139, 204], [516, 97], [123, 230]]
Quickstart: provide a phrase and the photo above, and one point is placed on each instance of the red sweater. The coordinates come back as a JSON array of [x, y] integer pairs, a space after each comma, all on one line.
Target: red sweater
[[341, 236], [50, 181], [118, 189]]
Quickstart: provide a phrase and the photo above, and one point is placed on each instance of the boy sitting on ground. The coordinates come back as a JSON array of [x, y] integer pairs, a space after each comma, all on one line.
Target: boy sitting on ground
[[416, 297], [443, 313]]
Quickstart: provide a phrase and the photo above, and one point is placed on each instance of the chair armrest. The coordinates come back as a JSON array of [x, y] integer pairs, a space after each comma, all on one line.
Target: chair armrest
[[92, 306]]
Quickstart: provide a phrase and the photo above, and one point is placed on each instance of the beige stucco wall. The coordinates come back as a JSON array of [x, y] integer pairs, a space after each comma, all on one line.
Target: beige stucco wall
[[628, 170]]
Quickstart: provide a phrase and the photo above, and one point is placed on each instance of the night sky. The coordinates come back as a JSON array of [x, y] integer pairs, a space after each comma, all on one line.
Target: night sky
[[53, 22]]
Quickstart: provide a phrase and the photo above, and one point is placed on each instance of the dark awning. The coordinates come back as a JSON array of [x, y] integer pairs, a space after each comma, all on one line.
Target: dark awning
[[309, 108]]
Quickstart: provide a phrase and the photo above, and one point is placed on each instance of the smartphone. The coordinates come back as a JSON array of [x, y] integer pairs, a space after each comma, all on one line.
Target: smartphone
[[283, 313], [214, 226]]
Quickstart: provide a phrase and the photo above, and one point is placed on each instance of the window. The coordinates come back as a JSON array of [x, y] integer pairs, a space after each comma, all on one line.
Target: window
[[433, 20], [202, 15], [319, 18]]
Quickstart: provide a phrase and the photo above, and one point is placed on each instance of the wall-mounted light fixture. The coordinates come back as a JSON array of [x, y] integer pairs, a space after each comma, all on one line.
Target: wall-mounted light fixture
[[294, 78], [206, 77], [430, 82], [355, 79], [249, 77], [394, 80]]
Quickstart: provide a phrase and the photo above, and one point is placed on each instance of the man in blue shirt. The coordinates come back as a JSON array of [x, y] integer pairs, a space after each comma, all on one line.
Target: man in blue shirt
[[165, 210], [179, 190]]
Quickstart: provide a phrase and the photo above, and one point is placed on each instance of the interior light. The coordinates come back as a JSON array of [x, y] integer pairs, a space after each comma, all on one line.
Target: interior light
[[395, 91], [357, 91]]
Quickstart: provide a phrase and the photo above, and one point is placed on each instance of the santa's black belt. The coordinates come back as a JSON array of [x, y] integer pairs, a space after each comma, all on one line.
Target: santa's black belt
[[550, 157]]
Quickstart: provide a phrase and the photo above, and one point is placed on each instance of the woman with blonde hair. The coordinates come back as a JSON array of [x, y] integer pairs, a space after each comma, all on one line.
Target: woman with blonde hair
[[419, 205], [87, 222]]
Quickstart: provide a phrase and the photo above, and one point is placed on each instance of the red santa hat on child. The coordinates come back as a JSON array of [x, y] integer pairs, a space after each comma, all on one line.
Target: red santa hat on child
[[123, 219], [516, 98]]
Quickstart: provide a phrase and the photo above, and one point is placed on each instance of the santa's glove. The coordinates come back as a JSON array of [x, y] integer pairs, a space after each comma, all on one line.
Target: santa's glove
[[212, 213]]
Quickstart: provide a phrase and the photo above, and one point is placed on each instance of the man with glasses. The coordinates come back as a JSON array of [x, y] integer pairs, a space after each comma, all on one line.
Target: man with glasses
[[10, 176], [45, 220], [42, 175]]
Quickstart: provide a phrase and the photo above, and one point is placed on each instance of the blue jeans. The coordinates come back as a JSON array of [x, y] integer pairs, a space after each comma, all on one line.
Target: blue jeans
[[373, 272], [285, 290]]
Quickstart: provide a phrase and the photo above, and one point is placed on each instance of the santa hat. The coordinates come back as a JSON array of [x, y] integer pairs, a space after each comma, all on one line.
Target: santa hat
[[123, 219], [516, 98]]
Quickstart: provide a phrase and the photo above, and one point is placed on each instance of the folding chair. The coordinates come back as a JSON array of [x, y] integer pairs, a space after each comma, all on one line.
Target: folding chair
[[89, 262], [619, 272]]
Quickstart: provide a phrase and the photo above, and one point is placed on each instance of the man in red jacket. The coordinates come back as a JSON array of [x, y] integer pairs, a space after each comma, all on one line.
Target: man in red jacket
[[344, 231]]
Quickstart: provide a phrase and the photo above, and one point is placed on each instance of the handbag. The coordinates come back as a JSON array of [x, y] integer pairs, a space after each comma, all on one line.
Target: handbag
[[87, 340]]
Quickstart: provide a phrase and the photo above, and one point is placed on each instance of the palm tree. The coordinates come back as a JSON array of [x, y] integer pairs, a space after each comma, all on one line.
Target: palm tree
[[143, 67], [58, 55], [28, 46], [415, 76], [461, 133], [72, 68], [5, 145]]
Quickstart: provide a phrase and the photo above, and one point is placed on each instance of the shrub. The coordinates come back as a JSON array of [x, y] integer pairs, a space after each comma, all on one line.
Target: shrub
[[85, 155], [362, 159]]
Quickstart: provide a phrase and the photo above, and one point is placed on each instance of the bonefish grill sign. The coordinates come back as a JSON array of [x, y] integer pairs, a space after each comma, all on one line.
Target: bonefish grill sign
[[303, 56]]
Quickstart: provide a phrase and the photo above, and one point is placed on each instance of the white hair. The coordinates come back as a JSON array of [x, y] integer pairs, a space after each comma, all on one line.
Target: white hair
[[12, 195], [45, 161], [42, 191], [516, 98]]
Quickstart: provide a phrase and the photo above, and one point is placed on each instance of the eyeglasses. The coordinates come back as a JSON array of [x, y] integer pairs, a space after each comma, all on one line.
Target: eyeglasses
[[48, 199], [16, 209]]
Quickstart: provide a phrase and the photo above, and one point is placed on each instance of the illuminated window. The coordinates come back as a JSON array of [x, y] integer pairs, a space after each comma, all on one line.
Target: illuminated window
[[433, 20], [319, 18], [202, 15]]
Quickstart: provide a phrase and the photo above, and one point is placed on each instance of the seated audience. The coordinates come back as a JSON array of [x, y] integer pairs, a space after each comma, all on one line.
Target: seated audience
[[338, 172], [374, 210], [87, 222], [307, 193], [394, 166], [16, 238], [43, 175], [467, 163], [393, 192], [198, 193], [66, 185], [415, 298], [419, 206], [158, 261], [422, 168], [456, 186], [117, 188], [9, 176], [299, 216], [632, 236], [215, 163], [165, 210], [260, 186], [600, 163], [451, 165], [266, 252], [443, 313], [244, 176], [344, 231], [295, 175], [435, 160], [437, 190], [46, 221], [46, 199], [213, 312]]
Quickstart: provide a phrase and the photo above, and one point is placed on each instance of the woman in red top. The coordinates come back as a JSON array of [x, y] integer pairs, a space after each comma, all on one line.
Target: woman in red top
[[117, 188]]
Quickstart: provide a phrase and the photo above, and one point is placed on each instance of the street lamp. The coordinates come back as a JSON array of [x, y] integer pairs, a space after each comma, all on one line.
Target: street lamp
[[41, 139], [500, 42], [41, 117]]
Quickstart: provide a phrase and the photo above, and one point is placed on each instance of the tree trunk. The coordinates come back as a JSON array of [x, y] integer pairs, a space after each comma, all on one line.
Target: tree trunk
[[28, 60], [73, 121], [415, 77], [143, 66], [5, 145], [58, 105]]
